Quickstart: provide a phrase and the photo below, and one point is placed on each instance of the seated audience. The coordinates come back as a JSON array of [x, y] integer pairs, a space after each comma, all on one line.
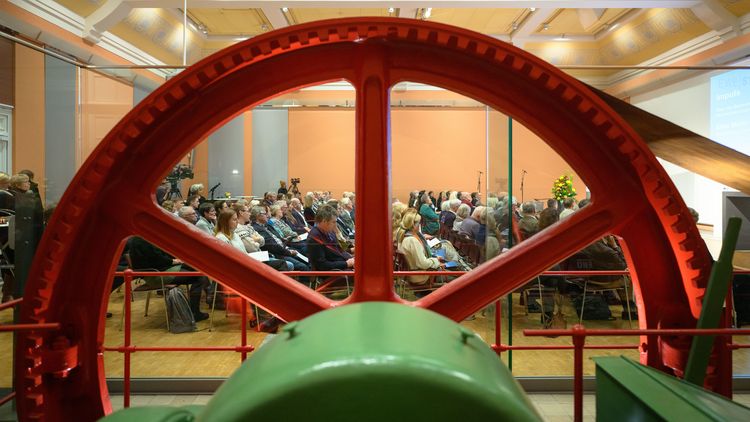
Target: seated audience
[[346, 212], [144, 256], [272, 243], [309, 212], [430, 218], [168, 205], [194, 201], [206, 218], [528, 225], [197, 189], [568, 208], [549, 215], [414, 246], [448, 214], [221, 205], [462, 212], [251, 240], [473, 226], [295, 217], [324, 251]]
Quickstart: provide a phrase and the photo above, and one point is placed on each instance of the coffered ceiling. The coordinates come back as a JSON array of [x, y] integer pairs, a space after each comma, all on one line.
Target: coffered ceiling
[[564, 32]]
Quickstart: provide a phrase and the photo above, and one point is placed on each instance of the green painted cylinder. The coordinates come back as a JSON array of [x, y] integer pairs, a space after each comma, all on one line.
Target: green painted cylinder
[[372, 361]]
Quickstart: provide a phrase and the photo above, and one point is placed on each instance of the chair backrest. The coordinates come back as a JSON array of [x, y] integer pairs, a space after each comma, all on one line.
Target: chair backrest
[[400, 263], [128, 260]]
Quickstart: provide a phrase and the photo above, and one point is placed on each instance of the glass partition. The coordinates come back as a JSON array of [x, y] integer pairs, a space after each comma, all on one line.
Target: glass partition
[[447, 150]]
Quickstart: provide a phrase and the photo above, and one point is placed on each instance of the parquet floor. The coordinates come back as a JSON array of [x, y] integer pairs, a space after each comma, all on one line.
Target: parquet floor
[[151, 331]]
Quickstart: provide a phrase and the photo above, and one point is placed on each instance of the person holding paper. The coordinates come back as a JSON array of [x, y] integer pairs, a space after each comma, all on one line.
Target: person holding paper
[[414, 246], [272, 243], [226, 231], [323, 248]]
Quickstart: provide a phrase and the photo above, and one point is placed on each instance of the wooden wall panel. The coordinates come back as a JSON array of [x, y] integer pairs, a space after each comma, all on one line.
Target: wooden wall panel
[[28, 115], [104, 101], [7, 69]]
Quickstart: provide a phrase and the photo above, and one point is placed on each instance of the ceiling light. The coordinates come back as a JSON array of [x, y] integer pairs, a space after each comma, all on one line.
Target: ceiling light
[[611, 27], [514, 26], [562, 37], [545, 27], [391, 10], [427, 13], [235, 171], [285, 9], [264, 27], [242, 38], [533, 9]]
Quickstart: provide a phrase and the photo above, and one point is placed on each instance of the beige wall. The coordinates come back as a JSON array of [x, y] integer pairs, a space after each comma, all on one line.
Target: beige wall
[[321, 149], [28, 115], [432, 149]]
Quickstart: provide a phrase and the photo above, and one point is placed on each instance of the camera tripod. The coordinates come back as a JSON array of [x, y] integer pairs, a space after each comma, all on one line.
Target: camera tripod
[[173, 192]]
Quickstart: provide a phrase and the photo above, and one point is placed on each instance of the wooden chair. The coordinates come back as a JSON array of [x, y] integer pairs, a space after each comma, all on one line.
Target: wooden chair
[[147, 288], [400, 263]]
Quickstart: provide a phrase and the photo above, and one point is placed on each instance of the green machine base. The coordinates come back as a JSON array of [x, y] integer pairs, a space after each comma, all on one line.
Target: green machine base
[[629, 391]]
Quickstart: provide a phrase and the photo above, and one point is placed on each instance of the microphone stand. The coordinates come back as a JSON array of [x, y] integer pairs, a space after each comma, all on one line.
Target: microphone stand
[[213, 189]]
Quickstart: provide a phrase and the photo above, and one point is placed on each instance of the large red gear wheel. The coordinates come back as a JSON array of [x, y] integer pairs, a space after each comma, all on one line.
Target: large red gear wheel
[[110, 197]]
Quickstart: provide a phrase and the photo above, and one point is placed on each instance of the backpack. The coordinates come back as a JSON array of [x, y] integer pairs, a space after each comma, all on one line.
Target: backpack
[[595, 307], [180, 316]]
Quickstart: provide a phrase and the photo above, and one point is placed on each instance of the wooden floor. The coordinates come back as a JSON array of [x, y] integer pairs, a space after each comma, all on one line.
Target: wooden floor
[[151, 331]]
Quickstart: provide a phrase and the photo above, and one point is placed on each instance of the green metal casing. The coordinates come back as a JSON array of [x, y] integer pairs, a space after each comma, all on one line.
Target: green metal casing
[[372, 362], [629, 391]]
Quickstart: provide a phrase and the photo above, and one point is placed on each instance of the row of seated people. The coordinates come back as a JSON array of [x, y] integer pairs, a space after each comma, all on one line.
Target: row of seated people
[[248, 230]]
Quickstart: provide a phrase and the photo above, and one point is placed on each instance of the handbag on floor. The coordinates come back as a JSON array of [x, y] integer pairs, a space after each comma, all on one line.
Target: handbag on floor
[[180, 316]]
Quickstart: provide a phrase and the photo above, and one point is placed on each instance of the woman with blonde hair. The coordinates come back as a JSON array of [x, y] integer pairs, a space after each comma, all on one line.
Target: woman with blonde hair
[[397, 212], [414, 246]]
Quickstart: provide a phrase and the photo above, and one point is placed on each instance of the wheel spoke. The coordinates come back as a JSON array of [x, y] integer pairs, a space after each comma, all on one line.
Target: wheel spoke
[[251, 279], [374, 254], [511, 270]]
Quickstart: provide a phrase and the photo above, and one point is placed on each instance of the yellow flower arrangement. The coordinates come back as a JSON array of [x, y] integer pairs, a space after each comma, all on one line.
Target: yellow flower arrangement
[[563, 188], [228, 194]]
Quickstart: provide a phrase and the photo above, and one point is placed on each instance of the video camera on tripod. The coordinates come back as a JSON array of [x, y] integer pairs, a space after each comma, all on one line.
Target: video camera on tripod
[[179, 172], [293, 188]]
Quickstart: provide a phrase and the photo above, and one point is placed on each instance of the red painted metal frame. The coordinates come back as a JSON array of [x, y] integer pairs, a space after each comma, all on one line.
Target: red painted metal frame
[[84, 237], [579, 334]]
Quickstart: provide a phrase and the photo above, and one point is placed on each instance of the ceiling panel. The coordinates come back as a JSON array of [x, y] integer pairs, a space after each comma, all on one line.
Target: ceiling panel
[[81, 7], [486, 21], [567, 21], [231, 21], [303, 15], [737, 7]]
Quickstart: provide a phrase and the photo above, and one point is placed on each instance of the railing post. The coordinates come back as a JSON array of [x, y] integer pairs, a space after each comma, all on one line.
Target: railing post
[[243, 330], [128, 277], [579, 339], [498, 322]]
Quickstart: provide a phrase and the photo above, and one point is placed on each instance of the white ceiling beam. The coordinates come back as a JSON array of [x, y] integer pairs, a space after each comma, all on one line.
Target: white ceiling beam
[[275, 17], [105, 17], [557, 4], [521, 35], [715, 16], [589, 17], [408, 12]]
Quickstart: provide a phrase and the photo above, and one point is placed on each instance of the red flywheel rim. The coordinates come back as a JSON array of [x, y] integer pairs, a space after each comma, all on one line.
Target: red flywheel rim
[[634, 198]]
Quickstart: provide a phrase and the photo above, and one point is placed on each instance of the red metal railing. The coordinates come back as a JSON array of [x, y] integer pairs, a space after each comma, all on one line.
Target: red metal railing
[[578, 332]]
